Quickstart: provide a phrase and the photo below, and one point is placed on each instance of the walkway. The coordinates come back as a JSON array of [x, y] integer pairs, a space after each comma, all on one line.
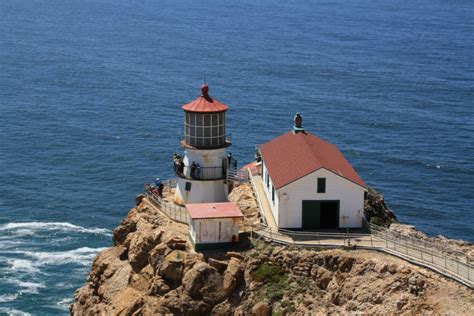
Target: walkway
[[444, 261], [265, 209]]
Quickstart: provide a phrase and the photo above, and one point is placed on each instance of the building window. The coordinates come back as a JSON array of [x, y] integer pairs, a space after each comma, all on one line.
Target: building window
[[187, 186], [268, 180], [321, 185], [273, 195]]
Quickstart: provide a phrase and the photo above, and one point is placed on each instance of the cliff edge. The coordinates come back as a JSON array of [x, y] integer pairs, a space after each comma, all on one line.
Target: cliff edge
[[152, 269]]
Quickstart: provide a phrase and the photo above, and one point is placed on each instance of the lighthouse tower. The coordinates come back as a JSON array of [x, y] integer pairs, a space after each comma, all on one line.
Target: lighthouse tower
[[203, 169]]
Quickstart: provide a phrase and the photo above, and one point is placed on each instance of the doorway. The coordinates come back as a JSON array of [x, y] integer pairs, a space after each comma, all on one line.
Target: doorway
[[320, 214]]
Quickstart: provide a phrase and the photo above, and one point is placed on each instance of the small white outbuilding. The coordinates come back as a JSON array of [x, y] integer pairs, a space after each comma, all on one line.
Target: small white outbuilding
[[309, 184], [213, 225]]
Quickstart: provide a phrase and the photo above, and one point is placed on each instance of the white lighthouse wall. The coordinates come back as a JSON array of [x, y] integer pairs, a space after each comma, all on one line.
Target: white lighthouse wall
[[274, 204], [350, 195], [215, 230], [201, 191], [205, 158]]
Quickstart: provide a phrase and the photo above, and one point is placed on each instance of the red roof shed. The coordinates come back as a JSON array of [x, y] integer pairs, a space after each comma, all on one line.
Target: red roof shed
[[213, 210]]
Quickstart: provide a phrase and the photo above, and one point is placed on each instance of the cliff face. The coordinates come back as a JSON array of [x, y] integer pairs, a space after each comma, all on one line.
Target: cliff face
[[152, 269]]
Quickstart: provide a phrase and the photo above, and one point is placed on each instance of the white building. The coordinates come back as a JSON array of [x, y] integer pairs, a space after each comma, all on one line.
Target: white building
[[309, 184], [213, 225]]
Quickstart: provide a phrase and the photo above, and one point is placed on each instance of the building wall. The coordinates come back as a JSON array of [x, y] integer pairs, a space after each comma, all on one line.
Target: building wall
[[201, 191], [214, 230], [268, 192], [350, 195]]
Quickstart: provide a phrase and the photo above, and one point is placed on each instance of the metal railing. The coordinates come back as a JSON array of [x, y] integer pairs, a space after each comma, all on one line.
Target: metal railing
[[234, 174], [448, 262], [173, 211], [441, 258], [202, 173], [315, 239]]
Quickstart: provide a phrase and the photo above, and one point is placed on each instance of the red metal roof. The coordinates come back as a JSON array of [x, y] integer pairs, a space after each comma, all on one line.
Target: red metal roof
[[204, 103], [213, 210], [253, 167], [292, 156]]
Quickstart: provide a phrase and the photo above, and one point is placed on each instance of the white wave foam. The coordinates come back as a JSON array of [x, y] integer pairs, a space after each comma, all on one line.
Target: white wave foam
[[26, 228], [65, 302], [8, 297], [27, 287], [23, 265], [82, 256], [13, 312]]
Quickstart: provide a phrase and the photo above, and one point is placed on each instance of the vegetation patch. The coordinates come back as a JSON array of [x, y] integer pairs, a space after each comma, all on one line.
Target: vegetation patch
[[274, 279]]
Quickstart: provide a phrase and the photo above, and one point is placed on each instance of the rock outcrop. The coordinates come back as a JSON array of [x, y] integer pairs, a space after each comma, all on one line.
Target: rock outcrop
[[376, 210], [244, 198], [152, 269]]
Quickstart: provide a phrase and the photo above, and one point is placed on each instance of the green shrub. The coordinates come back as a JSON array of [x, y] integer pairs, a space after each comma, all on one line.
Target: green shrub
[[275, 280]]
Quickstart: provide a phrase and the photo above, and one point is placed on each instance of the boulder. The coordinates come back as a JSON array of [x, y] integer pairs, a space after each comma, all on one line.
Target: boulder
[[121, 231], [140, 244], [260, 309], [139, 198], [321, 276], [233, 254], [158, 286], [233, 276], [176, 243], [203, 282], [218, 264], [172, 266]]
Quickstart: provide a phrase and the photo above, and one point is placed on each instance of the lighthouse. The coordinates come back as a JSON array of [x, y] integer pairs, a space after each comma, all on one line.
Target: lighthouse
[[202, 171]]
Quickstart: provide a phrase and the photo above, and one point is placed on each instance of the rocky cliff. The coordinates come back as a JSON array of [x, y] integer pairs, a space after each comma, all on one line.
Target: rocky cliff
[[152, 269]]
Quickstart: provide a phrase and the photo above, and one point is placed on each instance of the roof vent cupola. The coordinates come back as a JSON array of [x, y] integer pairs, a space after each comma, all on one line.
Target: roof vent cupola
[[298, 123]]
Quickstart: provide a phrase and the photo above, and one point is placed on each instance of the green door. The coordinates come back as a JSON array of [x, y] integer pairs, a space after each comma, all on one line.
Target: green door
[[311, 214], [320, 214]]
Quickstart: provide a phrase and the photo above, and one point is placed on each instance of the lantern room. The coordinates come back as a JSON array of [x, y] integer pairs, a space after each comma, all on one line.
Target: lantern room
[[204, 122]]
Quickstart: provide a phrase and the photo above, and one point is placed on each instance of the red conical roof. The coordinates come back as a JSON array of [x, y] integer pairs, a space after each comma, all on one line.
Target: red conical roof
[[204, 103]]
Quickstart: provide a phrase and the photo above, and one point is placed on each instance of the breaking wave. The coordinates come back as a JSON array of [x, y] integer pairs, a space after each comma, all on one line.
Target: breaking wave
[[22, 265], [8, 298], [82, 256], [26, 286], [25, 228], [13, 312]]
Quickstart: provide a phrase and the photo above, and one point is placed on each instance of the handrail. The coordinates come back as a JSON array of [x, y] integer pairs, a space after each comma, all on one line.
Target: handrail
[[202, 173], [171, 210]]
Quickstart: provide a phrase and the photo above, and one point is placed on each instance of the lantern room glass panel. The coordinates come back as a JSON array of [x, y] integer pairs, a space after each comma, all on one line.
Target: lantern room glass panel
[[204, 129]]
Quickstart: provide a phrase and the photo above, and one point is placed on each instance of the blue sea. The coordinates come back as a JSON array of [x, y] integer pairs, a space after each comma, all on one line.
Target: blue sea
[[90, 109]]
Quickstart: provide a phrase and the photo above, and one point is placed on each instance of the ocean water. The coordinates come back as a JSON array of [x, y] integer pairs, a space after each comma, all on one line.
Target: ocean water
[[90, 96]]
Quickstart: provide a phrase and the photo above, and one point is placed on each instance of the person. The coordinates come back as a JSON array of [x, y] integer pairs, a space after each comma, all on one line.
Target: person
[[159, 187], [181, 168], [193, 170], [298, 120], [198, 171]]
